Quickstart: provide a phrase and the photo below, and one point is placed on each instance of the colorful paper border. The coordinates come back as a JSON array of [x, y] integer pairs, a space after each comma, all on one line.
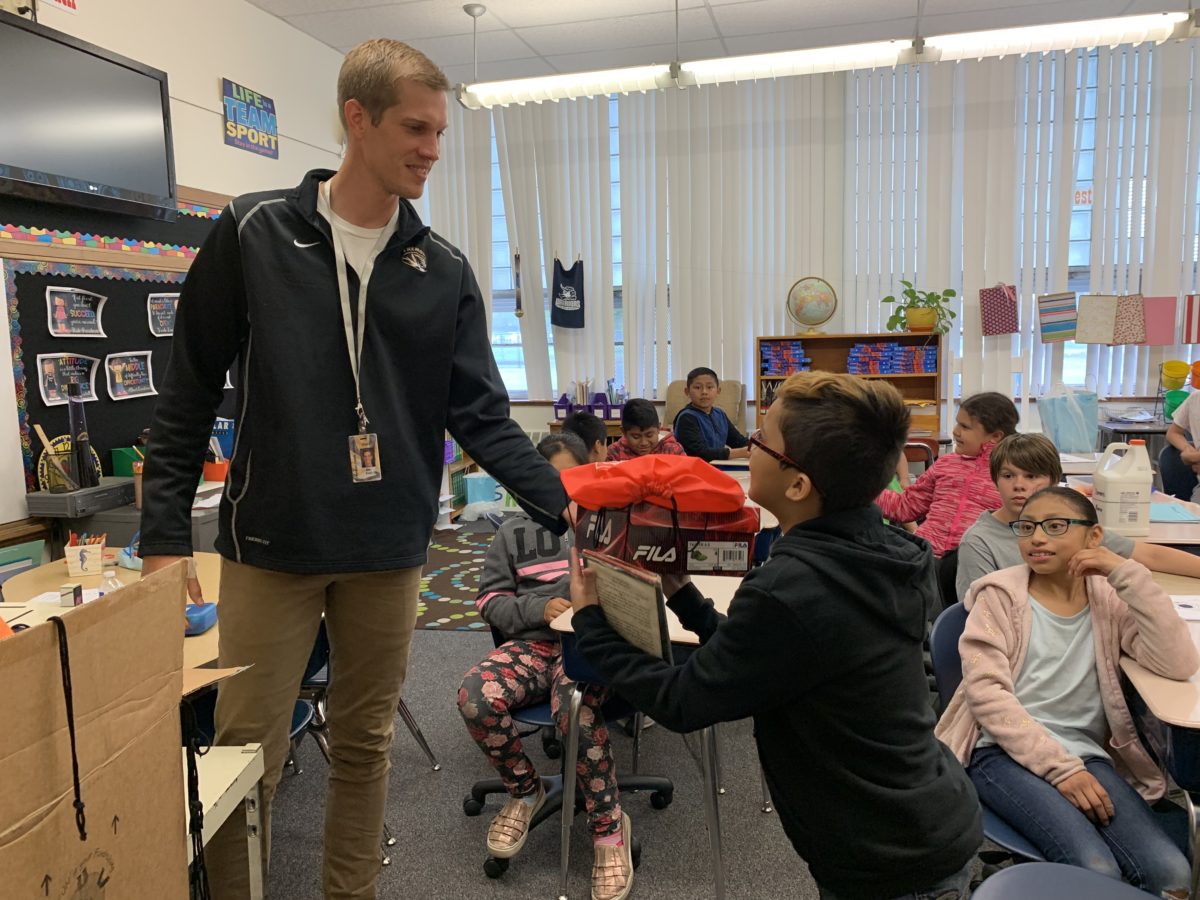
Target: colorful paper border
[[95, 241]]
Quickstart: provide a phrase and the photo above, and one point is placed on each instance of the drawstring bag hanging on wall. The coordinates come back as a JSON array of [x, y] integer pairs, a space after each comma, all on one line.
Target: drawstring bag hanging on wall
[[566, 305]]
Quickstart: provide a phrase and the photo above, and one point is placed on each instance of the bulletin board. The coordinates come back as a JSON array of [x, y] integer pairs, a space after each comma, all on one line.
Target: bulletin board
[[121, 408]]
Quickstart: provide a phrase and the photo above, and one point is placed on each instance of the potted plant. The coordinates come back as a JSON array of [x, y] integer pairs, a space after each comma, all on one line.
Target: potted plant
[[921, 311]]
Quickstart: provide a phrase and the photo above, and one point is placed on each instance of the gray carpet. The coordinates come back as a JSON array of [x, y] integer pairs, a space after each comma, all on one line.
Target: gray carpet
[[439, 851]]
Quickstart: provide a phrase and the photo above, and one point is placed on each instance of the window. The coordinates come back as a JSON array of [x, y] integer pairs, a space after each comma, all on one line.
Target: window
[[1079, 252], [506, 328]]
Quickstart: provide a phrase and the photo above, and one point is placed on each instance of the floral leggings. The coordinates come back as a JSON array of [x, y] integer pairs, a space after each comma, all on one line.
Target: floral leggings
[[521, 673]]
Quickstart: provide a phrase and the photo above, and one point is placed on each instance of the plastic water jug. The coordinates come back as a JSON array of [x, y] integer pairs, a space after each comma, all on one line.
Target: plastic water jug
[[1122, 489]]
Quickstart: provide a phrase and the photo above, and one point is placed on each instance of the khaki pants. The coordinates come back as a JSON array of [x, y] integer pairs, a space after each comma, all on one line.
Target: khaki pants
[[269, 620]]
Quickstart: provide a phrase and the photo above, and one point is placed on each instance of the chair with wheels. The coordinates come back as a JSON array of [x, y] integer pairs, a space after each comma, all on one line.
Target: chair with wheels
[[1053, 881], [539, 716]]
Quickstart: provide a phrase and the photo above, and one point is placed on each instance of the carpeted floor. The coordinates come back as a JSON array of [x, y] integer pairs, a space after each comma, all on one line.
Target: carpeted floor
[[451, 579]]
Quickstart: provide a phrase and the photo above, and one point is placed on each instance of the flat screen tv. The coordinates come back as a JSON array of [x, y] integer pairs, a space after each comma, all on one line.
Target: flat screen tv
[[80, 125]]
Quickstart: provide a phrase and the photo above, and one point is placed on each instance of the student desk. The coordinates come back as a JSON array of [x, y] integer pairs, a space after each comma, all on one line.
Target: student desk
[[1168, 716], [227, 776], [198, 651], [720, 589]]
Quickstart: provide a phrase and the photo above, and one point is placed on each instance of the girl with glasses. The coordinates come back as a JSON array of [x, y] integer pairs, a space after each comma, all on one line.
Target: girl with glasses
[[1040, 721]]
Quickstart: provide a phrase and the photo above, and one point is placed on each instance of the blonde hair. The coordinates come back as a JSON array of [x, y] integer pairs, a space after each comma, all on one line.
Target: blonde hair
[[373, 71], [843, 432]]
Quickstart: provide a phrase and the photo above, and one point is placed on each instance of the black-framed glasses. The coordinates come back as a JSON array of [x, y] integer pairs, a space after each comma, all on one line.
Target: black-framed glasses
[[1055, 526], [756, 440]]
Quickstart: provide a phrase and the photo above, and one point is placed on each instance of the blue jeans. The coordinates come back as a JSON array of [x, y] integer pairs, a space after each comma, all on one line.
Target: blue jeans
[[956, 887], [1132, 845]]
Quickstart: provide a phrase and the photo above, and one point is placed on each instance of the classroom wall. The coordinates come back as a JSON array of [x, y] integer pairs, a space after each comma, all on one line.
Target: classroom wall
[[197, 44]]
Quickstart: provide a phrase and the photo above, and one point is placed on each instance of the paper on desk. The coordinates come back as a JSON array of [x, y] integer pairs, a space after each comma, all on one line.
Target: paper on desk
[[1188, 606], [1076, 458], [89, 595], [1171, 512], [207, 502]]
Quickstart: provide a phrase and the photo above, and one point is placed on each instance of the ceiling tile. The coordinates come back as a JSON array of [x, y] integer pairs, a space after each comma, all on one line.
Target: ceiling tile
[[820, 37], [405, 22], [501, 70], [285, 8], [771, 16], [532, 13], [619, 33], [636, 56], [456, 50]]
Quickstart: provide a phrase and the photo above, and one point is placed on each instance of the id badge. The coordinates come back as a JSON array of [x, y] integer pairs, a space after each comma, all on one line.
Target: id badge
[[364, 458]]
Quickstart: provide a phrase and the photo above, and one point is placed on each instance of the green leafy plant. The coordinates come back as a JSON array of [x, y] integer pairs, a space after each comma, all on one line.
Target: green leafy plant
[[911, 298]]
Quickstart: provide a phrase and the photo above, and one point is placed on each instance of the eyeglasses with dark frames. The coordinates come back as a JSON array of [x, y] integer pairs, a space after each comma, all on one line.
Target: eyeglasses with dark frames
[[756, 440], [1055, 526]]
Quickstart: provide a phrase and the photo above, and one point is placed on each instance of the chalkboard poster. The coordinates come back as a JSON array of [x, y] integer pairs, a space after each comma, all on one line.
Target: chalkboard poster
[[130, 375], [160, 310], [57, 370], [71, 312], [115, 420]]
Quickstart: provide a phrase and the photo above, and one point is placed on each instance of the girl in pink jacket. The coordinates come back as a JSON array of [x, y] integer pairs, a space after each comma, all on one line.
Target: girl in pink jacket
[[951, 494], [1039, 719]]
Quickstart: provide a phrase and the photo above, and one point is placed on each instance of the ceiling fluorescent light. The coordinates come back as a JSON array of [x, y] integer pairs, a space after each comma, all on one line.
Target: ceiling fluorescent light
[[791, 62], [946, 48], [1061, 36], [565, 87]]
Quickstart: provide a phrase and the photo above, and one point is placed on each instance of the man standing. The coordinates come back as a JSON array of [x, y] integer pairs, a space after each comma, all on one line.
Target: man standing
[[355, 329]]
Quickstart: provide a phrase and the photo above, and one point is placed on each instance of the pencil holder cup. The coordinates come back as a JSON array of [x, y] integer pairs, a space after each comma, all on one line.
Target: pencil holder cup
[[216, 471], [60, 471], [85, 559]]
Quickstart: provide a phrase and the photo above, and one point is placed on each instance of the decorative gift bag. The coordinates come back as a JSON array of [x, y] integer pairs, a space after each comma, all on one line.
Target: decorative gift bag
[[998, 310], [1070, 418], [1131, 320]]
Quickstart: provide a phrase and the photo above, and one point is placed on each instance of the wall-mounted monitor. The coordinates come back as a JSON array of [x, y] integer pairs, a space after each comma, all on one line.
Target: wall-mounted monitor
[[82, 126]]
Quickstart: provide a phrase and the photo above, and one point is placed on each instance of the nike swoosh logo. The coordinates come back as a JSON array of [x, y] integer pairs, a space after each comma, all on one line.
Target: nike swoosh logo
[[296, 241]]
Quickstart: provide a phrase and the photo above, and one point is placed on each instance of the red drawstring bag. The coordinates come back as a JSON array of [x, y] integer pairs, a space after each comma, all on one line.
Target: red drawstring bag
[[691, 483]]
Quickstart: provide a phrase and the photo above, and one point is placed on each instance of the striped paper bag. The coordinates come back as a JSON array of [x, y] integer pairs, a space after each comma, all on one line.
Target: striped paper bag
[[1057, 316], [1191, 319]]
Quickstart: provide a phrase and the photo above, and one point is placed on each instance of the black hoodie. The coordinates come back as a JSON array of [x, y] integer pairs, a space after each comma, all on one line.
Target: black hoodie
[[822, 646], [264, 290]]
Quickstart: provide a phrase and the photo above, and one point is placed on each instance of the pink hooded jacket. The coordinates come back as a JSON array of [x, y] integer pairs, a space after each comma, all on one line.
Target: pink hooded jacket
[[1130, 614], [950, 494]]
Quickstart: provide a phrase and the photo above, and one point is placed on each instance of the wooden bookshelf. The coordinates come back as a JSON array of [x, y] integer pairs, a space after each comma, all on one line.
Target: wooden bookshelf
[[922, 392]]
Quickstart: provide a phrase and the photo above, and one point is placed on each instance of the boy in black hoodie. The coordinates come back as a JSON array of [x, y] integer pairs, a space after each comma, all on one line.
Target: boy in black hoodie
[[822, 646]]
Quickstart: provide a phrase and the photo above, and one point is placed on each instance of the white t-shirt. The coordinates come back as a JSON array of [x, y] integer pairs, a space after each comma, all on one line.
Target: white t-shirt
[[1187, 416], [358, 243], [1058, 685]]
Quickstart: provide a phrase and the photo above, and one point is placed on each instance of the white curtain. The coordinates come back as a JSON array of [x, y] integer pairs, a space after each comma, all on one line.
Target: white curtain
[[644, 244], [754, 204], [459, 185], [516, 149], [575, 202]]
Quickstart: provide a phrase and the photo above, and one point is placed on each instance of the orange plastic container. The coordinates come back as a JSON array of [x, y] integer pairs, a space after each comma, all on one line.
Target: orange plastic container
[[216, 471]]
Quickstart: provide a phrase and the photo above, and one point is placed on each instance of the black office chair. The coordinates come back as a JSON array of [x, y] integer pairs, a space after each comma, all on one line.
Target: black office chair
[[539, 716]]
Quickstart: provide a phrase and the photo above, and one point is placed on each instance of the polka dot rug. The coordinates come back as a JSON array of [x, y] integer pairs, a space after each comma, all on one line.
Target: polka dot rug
[[450, 581]]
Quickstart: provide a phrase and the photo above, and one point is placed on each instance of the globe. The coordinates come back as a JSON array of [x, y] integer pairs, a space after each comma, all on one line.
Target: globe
[[811, 301]]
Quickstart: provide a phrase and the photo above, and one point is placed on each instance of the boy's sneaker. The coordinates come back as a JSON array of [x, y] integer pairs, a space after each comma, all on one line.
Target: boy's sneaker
[[612, 872], [508, 831]]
